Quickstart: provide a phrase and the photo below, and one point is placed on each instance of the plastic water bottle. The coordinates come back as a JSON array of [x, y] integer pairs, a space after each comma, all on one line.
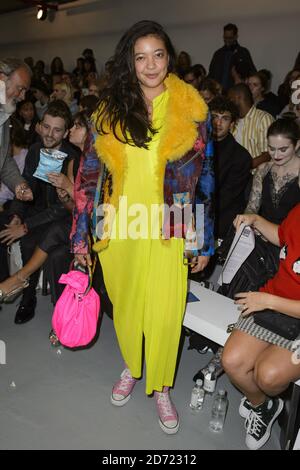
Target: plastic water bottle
[[197, 397], [210, 380], [218, 412]]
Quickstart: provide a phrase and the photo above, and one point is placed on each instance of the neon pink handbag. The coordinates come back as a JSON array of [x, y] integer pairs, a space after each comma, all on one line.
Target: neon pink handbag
[[76, 312]]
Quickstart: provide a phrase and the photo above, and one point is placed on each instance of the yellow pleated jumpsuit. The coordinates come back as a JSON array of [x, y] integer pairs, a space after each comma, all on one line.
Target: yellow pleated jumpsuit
[[145, 278]]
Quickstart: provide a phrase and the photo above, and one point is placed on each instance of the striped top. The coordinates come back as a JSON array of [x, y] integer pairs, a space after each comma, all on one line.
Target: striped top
[[253, 134]]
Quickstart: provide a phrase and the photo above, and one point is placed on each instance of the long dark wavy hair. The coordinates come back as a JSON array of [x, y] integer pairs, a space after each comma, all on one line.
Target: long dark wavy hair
[[122, 102]]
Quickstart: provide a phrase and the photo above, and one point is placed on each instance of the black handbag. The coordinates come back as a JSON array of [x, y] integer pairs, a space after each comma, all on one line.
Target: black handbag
[[260, 266], [279, 323]]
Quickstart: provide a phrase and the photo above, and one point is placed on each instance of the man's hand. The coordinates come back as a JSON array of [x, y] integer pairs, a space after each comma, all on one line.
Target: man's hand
[[23, 192], [199, 263], [12, 233]]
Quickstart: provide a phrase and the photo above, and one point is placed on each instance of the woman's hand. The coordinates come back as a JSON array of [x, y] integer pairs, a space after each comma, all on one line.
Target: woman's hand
[[15, 220], [83, 260], [247, 219], [251, 302], [12, 232], [198, 263], [63, 195]]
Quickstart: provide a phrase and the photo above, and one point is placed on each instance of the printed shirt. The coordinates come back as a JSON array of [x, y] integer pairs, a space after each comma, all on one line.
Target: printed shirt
[[253, 135]]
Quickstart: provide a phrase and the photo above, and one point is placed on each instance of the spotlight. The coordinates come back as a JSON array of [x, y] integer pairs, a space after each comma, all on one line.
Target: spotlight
[[42, 13]]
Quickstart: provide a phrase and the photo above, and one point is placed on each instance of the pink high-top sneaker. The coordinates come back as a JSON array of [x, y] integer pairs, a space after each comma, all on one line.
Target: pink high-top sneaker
[[121, 391], [168, 417]]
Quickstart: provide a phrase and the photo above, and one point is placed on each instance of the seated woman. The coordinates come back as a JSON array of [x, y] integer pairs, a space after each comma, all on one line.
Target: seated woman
[[19, 149], [260, 355], [275, 191], [57, 238], [63, 91], [18, 153]]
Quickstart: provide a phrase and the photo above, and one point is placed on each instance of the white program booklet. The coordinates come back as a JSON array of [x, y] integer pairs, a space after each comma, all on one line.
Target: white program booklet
[[241, 247]]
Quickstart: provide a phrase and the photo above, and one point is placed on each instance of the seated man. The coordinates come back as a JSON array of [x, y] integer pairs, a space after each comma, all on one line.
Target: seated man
[[233, 176], [31, 220], [232, 166], [252, 126]]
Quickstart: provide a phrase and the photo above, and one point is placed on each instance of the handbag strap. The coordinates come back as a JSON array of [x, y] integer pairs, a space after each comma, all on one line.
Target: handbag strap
[[90, 272]]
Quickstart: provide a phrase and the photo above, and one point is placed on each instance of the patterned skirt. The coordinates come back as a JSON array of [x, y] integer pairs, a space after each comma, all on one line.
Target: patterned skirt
[[248, 325]]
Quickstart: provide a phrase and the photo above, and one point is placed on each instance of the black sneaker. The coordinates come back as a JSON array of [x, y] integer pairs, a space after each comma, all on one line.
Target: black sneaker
[[245, 407], [259, 422]]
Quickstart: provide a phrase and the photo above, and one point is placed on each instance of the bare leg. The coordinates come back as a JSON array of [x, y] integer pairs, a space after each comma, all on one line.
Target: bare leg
[[275, 370], [36, 261], [239, 358]]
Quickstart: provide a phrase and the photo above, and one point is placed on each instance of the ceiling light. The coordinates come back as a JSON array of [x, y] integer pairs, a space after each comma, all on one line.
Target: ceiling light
[[42, 13]]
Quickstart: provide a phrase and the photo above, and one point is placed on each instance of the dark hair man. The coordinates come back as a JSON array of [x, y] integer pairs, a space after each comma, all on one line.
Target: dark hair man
[[252, 125], [225, 57], [232, 165]]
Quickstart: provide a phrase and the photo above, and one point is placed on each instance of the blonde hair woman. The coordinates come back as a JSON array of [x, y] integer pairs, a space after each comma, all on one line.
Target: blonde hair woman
[[63, 91]]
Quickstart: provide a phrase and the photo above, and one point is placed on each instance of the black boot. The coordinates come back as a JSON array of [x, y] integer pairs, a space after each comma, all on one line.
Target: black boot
[[25, 311]]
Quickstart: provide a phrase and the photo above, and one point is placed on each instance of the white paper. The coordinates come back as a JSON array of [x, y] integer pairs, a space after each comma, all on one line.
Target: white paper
[[241, 247]]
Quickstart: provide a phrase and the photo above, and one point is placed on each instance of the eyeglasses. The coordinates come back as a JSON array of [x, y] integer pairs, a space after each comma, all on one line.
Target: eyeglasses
[[21, 89]]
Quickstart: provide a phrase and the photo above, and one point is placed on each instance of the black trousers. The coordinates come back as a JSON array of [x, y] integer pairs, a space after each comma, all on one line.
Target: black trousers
[[53, 238], [28, 244], [56, 243]]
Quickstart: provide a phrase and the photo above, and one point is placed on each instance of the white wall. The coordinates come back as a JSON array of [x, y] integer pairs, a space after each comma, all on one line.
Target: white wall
[[270, 29]]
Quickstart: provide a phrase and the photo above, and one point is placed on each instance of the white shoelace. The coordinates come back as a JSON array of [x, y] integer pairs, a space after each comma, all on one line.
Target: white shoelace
[[125, 381], [254, 423]]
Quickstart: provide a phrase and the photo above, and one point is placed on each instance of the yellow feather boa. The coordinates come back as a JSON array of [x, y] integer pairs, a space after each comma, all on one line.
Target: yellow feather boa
[[185, 108]]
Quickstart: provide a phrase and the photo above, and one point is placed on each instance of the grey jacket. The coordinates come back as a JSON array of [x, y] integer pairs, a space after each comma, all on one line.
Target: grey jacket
[[9, 172]]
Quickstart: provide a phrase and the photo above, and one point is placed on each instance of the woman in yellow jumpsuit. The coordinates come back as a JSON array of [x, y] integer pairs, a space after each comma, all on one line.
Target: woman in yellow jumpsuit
[[139, 287], [146, 120]]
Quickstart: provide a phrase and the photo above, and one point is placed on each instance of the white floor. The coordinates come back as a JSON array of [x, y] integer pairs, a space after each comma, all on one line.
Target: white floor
[[59, 399]]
